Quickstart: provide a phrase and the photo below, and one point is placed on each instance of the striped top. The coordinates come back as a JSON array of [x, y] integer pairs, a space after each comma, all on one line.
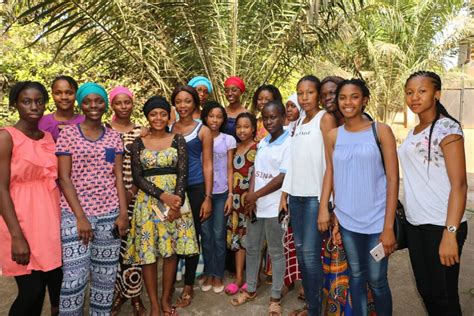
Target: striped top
[[128, 138]]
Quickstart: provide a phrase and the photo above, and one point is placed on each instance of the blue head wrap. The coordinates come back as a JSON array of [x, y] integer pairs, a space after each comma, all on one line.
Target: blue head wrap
[[91, 88], [201, 81]]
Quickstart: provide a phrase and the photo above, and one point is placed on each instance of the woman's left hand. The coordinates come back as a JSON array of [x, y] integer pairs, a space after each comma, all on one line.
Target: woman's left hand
[[388, 240], [122, 224], [448, 249], [228, 206], [206, 209]]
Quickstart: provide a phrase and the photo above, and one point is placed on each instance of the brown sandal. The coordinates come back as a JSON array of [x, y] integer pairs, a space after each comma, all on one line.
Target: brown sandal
[[242, 298], [185, 300], [274, 308]]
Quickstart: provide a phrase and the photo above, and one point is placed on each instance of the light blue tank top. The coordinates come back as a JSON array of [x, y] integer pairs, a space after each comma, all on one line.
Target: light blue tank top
[[360, 185]]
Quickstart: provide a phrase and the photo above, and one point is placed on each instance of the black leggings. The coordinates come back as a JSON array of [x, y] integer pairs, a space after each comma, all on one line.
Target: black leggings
[[196, 198], [32, 289], [437, 284]]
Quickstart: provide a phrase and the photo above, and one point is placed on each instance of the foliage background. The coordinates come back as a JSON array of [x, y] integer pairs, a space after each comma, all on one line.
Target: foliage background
[[152, 46]]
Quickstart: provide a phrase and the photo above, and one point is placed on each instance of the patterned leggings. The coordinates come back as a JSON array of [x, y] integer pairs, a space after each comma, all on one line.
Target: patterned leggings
[[97, 260]]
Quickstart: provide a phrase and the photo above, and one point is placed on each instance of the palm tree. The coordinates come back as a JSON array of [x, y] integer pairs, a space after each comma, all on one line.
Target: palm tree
[[169, 42]]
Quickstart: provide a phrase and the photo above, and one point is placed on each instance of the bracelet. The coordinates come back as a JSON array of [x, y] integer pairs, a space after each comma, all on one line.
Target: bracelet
[[230, 194], [208, 196], [131, 192]]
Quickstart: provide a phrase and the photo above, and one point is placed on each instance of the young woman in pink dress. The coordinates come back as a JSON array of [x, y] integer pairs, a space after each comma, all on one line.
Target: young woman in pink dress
[[30, 247]]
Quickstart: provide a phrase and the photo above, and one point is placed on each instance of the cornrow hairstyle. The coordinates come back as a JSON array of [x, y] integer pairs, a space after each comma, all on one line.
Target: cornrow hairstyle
[[23, 85], [265, 87], [313, 79], [251, 118], [361, 84], [192, 91], [440, 109], [276, 104], [72, 83], [208, 107]]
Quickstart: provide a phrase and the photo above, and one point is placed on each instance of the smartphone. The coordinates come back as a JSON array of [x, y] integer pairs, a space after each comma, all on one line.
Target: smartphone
[[115, 232], [253, 218], [377, 252]]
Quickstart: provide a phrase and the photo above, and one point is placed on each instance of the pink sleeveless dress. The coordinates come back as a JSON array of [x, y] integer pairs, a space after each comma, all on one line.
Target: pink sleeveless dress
[[35, 195]]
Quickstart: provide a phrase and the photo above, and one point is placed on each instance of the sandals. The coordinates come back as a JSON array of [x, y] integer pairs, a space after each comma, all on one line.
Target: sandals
[[242, 298], [300, 311], [185, 300], [138, 308], [233, 288], [170, 312], [117, 305], [274, 308]]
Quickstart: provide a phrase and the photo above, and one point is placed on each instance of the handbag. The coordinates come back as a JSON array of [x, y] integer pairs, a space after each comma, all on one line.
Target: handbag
[[400, 223]]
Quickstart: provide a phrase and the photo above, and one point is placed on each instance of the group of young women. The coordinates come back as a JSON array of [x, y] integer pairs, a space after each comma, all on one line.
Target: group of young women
[[85, 202]]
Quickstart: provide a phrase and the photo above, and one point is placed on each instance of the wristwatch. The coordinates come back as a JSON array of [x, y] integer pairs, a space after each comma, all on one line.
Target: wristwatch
[[452, 228]]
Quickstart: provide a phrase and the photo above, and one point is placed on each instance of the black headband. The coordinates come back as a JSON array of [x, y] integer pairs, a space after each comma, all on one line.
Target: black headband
[[156, 102]]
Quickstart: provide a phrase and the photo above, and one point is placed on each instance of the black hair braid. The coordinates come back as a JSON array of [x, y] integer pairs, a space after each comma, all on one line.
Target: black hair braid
[[440, 109]]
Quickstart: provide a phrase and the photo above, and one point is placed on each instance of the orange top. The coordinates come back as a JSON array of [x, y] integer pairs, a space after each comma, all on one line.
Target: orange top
[[35, 196]]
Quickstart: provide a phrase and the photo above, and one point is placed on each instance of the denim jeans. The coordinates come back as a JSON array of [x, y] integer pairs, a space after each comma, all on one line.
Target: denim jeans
[[365, 270], [308, 241], [268, 229], [213, 238], [437, 284]]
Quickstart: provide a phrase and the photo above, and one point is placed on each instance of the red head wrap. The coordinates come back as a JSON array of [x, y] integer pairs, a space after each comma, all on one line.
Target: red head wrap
[[235, 81]]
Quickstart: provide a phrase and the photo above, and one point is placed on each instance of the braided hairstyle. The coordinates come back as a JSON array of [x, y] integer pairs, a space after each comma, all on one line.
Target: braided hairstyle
[[266, 87], [440, 109]]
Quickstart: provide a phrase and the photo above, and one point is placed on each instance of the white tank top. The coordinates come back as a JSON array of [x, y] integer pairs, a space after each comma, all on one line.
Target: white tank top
[[307, 162]]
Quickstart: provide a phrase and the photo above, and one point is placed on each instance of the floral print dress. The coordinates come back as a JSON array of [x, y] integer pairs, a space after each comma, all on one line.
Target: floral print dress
[[155, 172], [237, 221]]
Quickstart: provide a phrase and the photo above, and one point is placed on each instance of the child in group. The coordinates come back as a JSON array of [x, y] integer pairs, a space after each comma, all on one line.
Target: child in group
[[93, 205], [214, 228], [243, 161], [262, 204], [64, 90], [264, 94]]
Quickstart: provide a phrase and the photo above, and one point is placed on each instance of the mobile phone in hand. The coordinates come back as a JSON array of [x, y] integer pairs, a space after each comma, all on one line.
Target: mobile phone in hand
[[377, 252]]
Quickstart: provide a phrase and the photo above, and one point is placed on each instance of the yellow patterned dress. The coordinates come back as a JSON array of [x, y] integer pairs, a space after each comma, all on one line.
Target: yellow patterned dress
[[155, 172]]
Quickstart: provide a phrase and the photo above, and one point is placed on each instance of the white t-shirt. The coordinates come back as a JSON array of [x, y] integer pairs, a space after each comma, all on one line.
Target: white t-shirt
[[307, 163], [426, 186], [271, 160]]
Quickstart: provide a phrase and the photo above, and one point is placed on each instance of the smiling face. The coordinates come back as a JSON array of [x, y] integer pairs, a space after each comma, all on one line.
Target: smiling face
[[244, 129], [421, 95], [64, 95], [327, 97], [184, 104], [232, 93], [263, 98], [122, 105], [93, 106], [307, 95], [351, 101], [273, 120], [30, 105], [158, 119], [215, 119], [292, 112]]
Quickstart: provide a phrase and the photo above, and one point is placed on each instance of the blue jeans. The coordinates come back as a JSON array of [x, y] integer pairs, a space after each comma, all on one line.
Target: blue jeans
[[364, 269], [308, 241], [213, 238]]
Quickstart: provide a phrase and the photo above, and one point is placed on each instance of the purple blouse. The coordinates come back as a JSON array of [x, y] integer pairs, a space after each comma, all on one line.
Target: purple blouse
[[222, 144], [49, 124]]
